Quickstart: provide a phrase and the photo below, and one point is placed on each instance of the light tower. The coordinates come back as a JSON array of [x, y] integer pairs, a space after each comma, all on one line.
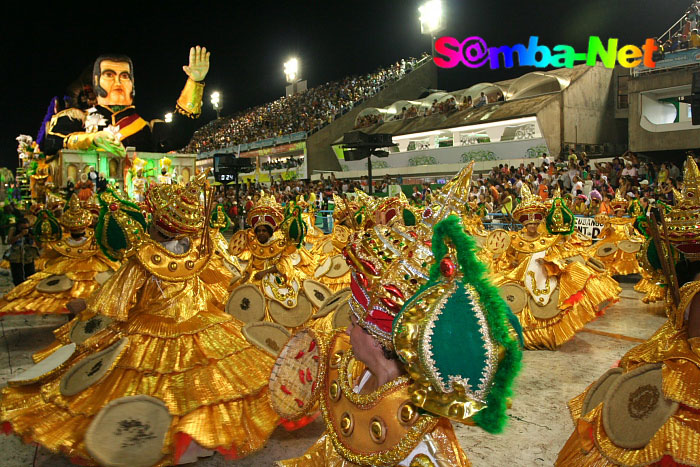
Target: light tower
[[217, 101], [431, 20], [292, 74]]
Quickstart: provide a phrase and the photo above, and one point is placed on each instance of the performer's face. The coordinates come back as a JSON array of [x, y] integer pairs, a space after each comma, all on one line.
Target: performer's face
[[115, 79]]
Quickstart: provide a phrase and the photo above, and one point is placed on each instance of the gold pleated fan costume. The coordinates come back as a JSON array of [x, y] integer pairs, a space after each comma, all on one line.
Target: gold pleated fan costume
[[618, 234], [182, 349], [558, 292], [674, 436], [76, 265]]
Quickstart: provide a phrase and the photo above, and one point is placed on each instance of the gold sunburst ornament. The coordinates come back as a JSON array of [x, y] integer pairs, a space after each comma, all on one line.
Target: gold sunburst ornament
[[76, 219]]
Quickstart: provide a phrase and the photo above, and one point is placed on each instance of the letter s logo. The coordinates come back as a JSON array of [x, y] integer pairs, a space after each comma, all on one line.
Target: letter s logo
[[447, 47]]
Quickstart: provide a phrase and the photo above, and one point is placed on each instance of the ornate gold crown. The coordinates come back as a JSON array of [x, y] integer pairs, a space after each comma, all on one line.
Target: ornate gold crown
[[266, 212], [389, 264], [451, 198], [343, 209], [76, 219], [531, 209], [619, 202], [683, 221], [176, 209]]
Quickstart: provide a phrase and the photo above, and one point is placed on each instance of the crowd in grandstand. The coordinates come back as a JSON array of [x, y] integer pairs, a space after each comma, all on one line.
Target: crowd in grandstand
[[286, 163], [588, 184], [308, 110], [687, 36]]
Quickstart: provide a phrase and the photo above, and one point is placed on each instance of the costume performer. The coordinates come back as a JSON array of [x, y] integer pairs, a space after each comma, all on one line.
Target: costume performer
[[114, 123], [168, 352], [646, 410], [618, 242], [386, 397], [85, 188], [545, 277], [73, 265]]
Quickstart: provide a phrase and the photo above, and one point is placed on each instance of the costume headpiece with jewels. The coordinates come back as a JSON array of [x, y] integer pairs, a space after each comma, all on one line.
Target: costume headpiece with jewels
[[219, 219], [451, 198], [176, 209], [266, 212], [165, 163], [76, 218], [121, 225], [619, 202], [343, 209], [390, 262], [46, 228], [560, 219], [454, 338], [531, 209], [683, 221]]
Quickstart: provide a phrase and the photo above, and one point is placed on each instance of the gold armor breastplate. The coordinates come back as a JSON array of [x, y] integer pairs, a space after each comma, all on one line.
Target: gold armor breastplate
[[523, 245], [83, 251], [172, 267], [381, 428]]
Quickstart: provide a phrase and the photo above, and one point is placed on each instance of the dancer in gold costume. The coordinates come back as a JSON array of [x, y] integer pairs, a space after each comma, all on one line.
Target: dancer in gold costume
[[546, 277], [73, 265], [167, 343], [619, 242], [418, 315], [646, 411]]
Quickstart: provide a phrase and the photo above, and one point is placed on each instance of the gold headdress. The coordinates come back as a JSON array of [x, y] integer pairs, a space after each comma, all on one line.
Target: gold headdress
[[165, 163], [683, 221], [76, 219], [343, 209], [531, 209], [619, 202], [267, 211], [176, 209], [451, 198]]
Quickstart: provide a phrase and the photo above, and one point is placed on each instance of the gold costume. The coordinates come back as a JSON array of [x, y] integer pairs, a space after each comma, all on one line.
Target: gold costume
[[78, 262], [183, 349], [677, 441], [560, 291], [401, 436], [646, 411], [619, 232]]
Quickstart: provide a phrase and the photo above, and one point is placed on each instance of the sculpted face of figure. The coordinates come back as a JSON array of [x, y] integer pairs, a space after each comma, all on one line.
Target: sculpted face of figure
[[115, 79]]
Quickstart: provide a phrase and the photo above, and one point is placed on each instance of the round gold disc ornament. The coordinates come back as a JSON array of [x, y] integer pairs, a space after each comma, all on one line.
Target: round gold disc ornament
[[514, 295], [596, 394], [327, 247], [45, 368], [297, 377], [270, 337], [575, 259], [596, 264], [338, 267], [316, 292], [83, 330], [246, 304], [497, 241], [629, 246], [55, 284], [323, 269], [91, 369], [545, 311], [129, 432], [341, 315], [606, 250], [635, 407], [333, 302], [291, 317]]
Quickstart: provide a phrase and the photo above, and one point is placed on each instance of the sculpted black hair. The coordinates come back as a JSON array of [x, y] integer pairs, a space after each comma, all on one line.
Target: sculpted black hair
[[96, 72]]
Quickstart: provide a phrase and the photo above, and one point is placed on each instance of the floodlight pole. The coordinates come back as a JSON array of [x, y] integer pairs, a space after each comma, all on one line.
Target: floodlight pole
[[369, 172]]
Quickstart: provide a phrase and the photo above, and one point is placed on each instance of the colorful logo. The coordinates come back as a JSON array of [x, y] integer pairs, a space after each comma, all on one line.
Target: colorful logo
[[474, 53]]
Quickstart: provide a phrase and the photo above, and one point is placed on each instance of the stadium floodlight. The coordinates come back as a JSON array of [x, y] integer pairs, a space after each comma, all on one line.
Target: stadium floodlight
[[217, 102], [169, 117], [291, 70], [430, 18]]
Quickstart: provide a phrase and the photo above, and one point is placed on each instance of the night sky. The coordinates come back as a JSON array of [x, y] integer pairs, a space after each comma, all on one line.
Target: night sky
[[46, 49]]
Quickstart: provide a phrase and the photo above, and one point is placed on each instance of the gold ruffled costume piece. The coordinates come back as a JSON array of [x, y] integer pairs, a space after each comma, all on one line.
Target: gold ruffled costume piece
[[652, 289], [338, 240], [619, 263], [678, 439], [590, 292], [183, 349], [82, 266]]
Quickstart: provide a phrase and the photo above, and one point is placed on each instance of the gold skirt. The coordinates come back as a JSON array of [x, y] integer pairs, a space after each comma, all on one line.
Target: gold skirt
[[212, 380], [25, 299]]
